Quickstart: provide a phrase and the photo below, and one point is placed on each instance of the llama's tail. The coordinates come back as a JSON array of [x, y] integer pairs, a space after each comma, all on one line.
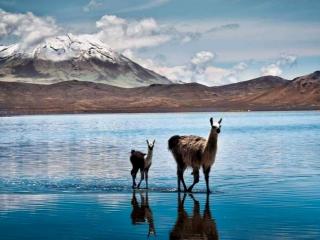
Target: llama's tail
[[173, 141]]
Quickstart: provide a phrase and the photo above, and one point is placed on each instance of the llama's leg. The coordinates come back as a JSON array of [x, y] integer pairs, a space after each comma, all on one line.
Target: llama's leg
[[134, 174], [195, 179], [179, 180], [180, 176], [146, 173], [206, 172], [142, 177]]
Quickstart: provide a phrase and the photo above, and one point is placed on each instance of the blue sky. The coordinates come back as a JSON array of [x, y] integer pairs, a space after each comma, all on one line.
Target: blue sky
[[210, 41]]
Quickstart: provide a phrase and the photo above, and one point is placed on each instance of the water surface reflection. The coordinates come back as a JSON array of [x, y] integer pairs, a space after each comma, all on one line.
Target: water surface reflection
[[196, 226], [141, 212]]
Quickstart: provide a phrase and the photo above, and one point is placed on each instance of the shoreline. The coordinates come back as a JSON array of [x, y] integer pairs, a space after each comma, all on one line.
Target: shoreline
[[161, 111]]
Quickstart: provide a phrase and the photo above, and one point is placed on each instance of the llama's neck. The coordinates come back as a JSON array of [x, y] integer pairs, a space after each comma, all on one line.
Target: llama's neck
[[212, 142], [149, 156]]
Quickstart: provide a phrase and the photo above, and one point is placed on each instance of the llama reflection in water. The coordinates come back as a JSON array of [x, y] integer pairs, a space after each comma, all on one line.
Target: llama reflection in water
[[195, 226], [142, 213]]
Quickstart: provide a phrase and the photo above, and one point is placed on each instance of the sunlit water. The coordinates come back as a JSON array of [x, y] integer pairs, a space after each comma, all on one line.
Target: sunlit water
[[68, 177]]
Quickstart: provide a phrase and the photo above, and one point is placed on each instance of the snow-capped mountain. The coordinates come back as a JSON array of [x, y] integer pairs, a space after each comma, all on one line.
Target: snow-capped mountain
[[71, 57]]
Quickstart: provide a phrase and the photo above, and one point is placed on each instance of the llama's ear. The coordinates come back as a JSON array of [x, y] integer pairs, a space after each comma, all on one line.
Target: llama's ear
[[147, 142], [153, 142], [211, 121], [220, 121]]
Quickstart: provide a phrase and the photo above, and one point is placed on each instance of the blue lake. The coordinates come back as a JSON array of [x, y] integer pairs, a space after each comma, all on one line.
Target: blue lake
[[68, 177]]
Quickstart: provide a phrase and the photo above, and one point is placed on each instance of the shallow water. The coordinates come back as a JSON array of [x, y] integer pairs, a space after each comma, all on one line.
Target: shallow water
[[68, 176]]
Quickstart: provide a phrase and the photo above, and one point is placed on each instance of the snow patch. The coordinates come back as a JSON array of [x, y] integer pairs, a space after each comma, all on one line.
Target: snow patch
[[63, 48]]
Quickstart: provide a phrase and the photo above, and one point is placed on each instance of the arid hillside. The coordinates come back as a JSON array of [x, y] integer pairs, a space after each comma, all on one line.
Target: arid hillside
[[264, 93]]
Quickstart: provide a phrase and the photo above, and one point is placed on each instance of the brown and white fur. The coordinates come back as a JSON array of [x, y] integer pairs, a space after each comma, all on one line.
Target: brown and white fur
[[141, 161], [195, 152]]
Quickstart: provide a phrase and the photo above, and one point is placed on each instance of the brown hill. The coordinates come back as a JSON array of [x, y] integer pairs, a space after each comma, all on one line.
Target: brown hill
[[264, 93]]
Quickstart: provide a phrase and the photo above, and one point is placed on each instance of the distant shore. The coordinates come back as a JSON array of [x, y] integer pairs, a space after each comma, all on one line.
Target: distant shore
[[268, 93], [23, 113]]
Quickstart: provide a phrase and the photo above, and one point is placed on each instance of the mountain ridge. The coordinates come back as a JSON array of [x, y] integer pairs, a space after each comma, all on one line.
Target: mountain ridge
[[302, 93]]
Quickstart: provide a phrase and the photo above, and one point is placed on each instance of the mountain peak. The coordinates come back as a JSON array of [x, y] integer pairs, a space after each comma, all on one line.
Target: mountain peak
[[70, 57], [68, 46], [309, 77], [263, 82], [315, 75]]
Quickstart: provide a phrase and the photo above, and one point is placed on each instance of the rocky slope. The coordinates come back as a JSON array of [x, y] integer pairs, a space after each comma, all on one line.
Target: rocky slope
[[265, 93], [69, 57]]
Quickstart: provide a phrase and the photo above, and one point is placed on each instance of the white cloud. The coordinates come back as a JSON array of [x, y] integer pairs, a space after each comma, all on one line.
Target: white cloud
[[241, 66], [231, 41], [186, 33], [121, 34], [272, 69], [234, 73], [109, 21], [276, 68], [287, 60], [118, 33], [27, 28], [199, 69], [202, 57], [148, 5], [215, 76], [174, 73], [223, 27], [92, 5], [199, 65]]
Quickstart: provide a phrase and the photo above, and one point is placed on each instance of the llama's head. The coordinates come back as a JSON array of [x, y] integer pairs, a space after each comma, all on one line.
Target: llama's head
[[215, 126], [150, 145]]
